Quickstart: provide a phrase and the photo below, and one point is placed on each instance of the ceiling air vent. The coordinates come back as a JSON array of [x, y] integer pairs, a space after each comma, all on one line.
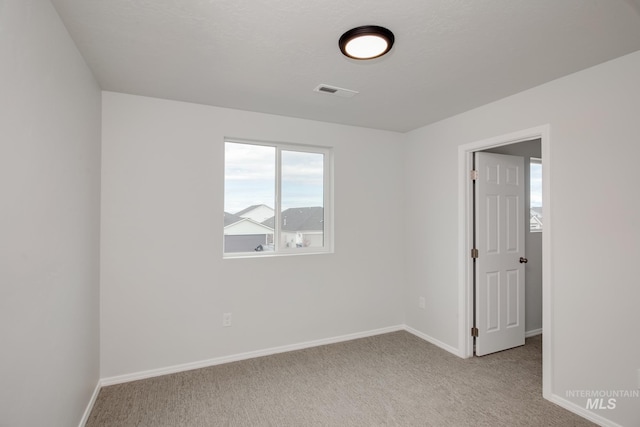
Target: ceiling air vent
[[337, 91]]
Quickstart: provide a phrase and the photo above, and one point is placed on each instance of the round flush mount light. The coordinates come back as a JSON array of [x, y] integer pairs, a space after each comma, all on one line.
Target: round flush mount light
[[367, 42]]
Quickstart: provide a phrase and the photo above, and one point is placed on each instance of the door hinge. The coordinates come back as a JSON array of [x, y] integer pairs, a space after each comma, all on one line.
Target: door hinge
[[474, 332], [474, 175], [474, 253]]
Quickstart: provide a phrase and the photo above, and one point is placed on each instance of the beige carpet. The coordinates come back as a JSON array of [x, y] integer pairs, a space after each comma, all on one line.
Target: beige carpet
[[394, 379]]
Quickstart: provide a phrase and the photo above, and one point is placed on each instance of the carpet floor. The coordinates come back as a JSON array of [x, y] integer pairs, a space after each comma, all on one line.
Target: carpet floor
[[394, 379]]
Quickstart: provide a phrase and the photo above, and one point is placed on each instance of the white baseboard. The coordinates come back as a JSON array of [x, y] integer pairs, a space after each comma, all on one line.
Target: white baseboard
[[92, 401], [243, 356], [433, 341], [533, 333], [583, 412]]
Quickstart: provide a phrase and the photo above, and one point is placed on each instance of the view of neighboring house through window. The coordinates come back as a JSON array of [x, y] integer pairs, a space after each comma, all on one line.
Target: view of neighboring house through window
[[535, 196], [275, 198]]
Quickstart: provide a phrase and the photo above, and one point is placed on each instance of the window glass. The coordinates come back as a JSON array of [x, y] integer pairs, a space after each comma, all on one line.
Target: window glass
[[535, 196], [275, 199], [302, 214]]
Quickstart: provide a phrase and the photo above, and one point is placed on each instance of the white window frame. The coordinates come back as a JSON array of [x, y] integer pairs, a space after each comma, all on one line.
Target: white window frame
[[327, 183]]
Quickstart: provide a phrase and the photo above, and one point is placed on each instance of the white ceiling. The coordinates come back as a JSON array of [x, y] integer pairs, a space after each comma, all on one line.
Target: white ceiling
[[268, 55]]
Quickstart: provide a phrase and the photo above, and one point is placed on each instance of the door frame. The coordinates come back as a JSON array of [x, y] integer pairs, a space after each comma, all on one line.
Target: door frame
[[465, 243]]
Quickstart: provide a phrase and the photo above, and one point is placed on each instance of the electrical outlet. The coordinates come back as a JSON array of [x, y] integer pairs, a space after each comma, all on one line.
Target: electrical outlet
[[226, 319], [422, 303]]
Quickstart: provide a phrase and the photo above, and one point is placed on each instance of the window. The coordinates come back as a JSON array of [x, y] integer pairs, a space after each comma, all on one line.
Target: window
[[276, 199], [535, 194]]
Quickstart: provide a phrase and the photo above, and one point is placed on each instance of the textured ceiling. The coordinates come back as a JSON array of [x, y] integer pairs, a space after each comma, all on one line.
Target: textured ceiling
[[268, 56]]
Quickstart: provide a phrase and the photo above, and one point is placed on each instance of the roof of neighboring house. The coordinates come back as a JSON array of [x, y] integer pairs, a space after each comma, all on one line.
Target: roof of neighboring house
[[299, 219], [230, 218], [235, 225], [537, 210], [250, 208]]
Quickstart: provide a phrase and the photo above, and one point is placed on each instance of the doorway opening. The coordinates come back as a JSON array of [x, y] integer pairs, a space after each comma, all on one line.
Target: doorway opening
[[466, 243]]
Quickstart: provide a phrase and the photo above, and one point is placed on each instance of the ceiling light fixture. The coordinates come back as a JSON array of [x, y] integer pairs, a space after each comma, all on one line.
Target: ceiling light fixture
[[366, 42]]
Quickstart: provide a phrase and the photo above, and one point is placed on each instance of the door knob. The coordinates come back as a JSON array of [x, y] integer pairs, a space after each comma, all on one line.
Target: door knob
[[523, 260]]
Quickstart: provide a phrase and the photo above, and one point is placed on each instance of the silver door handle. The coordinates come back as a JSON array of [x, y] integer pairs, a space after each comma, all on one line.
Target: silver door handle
[[523, 260]]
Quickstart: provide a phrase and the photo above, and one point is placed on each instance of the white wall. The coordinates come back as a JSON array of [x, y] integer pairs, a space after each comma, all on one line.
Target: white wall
[[49, 220], [164, 283], [594, 151]]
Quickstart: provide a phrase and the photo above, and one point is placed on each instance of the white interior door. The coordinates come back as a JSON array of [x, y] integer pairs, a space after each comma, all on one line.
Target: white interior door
[[499, 267]]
